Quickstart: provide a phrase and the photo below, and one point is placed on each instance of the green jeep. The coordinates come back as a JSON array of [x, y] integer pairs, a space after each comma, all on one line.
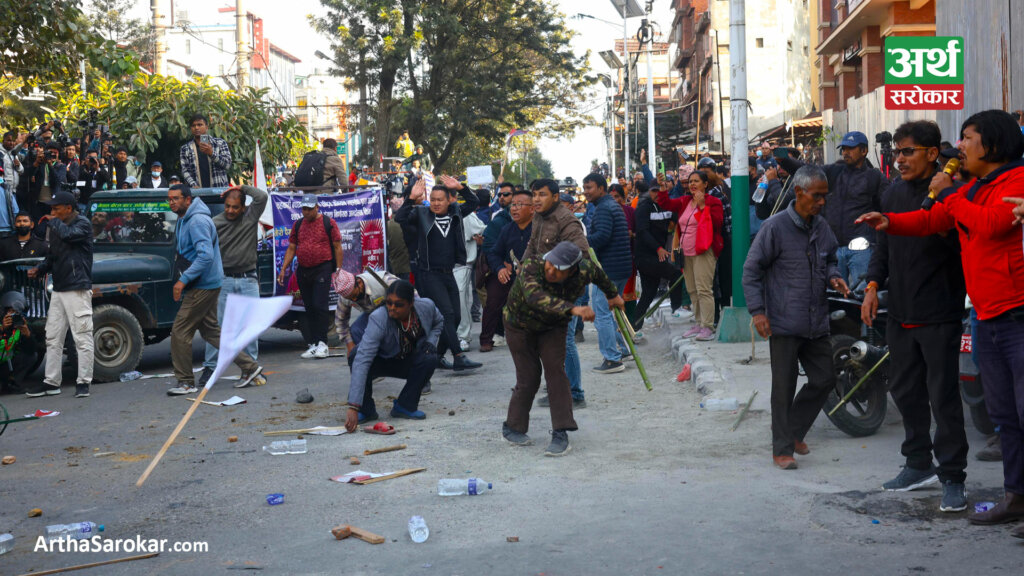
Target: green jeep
[[133, 259]]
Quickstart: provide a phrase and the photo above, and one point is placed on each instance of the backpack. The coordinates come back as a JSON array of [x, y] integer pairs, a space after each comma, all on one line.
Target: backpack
[[327, 232], [311, 170]]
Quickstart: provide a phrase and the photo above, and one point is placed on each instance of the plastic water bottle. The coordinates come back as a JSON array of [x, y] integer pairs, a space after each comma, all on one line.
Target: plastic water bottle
[[461, 486], [762, 189], [77, 530], [280, 447], [129, 376], [7, 542], [720, 404], [418, 530]]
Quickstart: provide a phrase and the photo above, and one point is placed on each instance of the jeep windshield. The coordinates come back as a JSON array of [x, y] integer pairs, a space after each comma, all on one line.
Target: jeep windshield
[[141, 221]]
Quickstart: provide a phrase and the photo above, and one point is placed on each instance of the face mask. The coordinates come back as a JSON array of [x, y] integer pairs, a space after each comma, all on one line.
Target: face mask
[[578, 214], [156, 174], [22, 230]]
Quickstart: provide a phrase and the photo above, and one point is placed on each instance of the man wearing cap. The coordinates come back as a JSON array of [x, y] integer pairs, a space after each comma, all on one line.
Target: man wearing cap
[[316, 240], [155, 178], [69, 264], [199, 272], [540, 306], [237, 230], [364, 292]]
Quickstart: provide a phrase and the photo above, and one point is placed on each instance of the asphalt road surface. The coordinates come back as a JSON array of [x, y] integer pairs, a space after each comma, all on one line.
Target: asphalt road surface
[[653, 485]]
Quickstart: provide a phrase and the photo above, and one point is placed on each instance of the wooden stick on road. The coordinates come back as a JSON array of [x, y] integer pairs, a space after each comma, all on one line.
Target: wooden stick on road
[[405, 472], [386, 449], [92, 564], [173, 436]]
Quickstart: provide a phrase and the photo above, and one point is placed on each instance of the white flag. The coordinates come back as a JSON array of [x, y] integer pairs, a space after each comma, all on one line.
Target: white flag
[[260, 181], [245, 318]]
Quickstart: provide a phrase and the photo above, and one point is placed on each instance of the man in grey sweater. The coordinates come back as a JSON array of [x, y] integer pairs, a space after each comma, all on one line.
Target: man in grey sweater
[[237, 228], [788, 270]]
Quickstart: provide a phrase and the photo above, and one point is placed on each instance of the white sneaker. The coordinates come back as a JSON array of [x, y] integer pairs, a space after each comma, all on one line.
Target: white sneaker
[[309, 352], [499, 341], [682, 313], [463, 344], [321, 350]]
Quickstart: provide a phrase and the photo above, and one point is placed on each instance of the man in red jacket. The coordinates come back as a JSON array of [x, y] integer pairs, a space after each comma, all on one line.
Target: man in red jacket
[[991, 247]]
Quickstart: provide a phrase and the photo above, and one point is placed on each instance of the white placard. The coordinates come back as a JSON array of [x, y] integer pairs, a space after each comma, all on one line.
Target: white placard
[[476, 175]]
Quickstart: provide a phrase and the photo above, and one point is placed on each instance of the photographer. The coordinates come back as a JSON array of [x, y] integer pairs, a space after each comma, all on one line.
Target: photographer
[[17, 350], [95, 178], [71, 165], [46, 177]]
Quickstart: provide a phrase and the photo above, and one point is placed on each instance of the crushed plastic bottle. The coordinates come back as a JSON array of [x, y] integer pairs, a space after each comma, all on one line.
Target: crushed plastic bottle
[[720, 404], [418, 530], [7, 543], [280, 447], [129, 376], [462, 486], [76, 530]]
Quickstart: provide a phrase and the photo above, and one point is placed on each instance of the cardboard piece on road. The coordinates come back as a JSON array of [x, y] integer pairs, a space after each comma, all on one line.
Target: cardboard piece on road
[[476, 175]]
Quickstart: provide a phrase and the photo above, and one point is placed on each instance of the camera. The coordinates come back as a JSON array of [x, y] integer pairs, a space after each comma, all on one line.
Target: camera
[[884, 141], [17, 319]]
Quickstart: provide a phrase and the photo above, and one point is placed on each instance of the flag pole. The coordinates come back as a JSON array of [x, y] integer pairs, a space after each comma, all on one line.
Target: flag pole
[[173, 436]]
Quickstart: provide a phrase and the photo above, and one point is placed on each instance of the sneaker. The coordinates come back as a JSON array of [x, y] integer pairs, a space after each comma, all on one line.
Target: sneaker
[[513, 437], [627, 357], [693, 331], [463, 344], [366, 417], [683, 314], [609, 367], [426, 389], [544, 401], [322, 351], [204, 377], [639, 336], [182, 389], [954, 497], [463, 364], [398, 412], [499, 341], [43, 389], [309, 352], [992, 452], [559, 444], [705, 335], [911, 479], [578, 403], [252, 379], [81, 390]]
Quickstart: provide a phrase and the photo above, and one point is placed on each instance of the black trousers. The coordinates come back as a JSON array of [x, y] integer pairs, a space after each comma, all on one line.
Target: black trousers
[[416, 369], [315, 287], [15, 371], [651, 273], [792, 413], [924, 381], [440, 287], [497, 295], [723, 277]]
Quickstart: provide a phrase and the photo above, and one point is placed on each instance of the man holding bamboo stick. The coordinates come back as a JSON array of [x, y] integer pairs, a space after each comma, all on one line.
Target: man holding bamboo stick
[[540, 305]]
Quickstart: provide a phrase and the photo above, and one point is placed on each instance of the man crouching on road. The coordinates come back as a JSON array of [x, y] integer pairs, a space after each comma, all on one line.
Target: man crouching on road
[[537, 315], [787, 299]]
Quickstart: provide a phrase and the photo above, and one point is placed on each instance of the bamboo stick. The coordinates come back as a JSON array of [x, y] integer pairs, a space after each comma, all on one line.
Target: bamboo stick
[[620, 318], [743, 412], [859, 384], [385, 449], [170, 439], [302, 431], [654, 307], [92, 564], [405, 472]]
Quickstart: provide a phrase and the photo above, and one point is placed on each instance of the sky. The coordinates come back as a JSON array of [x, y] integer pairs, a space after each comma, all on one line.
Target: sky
[[286, 25]]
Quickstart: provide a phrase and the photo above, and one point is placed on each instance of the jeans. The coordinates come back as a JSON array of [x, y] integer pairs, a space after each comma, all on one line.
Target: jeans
[[416, 369], [853, 265], [1000, 346], [572, 360], [246, 287], [609, 341]]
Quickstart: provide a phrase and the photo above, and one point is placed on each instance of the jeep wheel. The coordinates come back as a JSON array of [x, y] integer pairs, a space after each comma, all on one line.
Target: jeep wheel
[[118, 342]]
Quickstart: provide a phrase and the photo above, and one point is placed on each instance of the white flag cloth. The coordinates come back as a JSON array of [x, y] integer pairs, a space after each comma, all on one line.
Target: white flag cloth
[[245, 318], [260, 181]]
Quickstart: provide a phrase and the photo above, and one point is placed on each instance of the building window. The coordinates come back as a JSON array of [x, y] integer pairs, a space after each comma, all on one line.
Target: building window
[[759, 42]]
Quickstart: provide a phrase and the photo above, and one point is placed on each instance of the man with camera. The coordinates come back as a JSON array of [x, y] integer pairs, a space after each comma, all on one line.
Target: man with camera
[[23, 244], [69, 263], [94, 177], [205, 160], [46, 177], [17, 350]]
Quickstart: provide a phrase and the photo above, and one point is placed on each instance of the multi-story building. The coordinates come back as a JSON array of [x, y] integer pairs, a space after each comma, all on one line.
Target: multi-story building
[[328, 110], [664, 78]]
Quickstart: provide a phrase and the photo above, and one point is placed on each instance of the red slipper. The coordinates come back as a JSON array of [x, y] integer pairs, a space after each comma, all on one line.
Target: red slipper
[[380, 428], [684, 375]]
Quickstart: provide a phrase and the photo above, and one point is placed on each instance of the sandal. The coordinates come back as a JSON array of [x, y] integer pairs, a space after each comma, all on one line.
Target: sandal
[[382, 428]]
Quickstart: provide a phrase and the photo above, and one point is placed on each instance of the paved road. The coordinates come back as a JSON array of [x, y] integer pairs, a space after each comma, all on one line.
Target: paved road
[[653, 485]]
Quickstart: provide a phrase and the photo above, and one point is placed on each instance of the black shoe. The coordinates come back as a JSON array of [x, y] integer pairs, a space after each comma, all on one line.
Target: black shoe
[[954, 497], [513, 437], [911, 479], [43, 389], [81, 390], [609, 367], [443, 363], [204, 377], [463, 364], [578, 403], [559, 444]]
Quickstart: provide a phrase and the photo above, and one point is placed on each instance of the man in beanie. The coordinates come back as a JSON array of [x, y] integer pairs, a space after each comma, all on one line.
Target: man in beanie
[[540, 306], [364, 292]]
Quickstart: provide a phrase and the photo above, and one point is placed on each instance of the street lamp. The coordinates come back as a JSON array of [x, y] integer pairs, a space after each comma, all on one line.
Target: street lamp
[[611, 59]]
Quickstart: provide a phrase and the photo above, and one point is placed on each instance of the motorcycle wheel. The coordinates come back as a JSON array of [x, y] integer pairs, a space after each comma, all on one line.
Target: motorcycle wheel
[[864, 413]]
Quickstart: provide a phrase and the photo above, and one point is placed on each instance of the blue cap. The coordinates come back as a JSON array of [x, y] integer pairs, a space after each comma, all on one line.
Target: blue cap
[[853, 139], [155, 164], [563, 197]]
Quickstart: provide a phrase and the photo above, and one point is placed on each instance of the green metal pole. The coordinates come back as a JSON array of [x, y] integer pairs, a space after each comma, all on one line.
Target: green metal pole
[[740, 228]]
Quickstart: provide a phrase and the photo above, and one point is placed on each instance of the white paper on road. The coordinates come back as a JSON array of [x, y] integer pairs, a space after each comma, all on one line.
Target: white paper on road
[[245, 318], [325, 431], [358, 475], [476, 175], [234, 400]]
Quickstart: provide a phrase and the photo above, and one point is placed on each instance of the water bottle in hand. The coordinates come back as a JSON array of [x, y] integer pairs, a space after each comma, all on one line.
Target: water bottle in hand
[[461, 486], [418, 530], [762, 189]]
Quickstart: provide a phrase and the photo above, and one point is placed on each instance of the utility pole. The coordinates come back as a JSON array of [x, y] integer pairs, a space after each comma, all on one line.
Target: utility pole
[[241, 52], [158, 39], [625, 95], [652, 152]]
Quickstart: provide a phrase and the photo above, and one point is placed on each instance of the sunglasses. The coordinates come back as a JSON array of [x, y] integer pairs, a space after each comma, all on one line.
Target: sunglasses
[[908, 151], [505, 194]]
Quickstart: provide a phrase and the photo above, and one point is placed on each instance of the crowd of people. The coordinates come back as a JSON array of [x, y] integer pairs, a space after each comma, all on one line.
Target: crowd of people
[[532, 263]]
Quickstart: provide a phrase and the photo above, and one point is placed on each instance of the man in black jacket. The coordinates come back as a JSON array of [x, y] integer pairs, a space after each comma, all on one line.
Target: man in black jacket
[[653, 259], [925, 278], [23, 244], [46, 176], [70, 265], [440, 246], [95, 178]]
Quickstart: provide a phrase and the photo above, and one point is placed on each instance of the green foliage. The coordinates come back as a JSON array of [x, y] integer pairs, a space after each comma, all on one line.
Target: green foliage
[[537, 166], [462, 69], [150, 117], [109, 19], [44, 42]]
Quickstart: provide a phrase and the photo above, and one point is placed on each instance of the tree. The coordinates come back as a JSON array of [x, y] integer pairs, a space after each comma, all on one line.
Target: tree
[[109, 19], [45, 42], [537, 166], [466, 68], [150, 117]]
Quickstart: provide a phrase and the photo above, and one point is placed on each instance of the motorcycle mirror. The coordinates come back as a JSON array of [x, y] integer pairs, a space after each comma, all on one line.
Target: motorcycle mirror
[[859, 243]]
